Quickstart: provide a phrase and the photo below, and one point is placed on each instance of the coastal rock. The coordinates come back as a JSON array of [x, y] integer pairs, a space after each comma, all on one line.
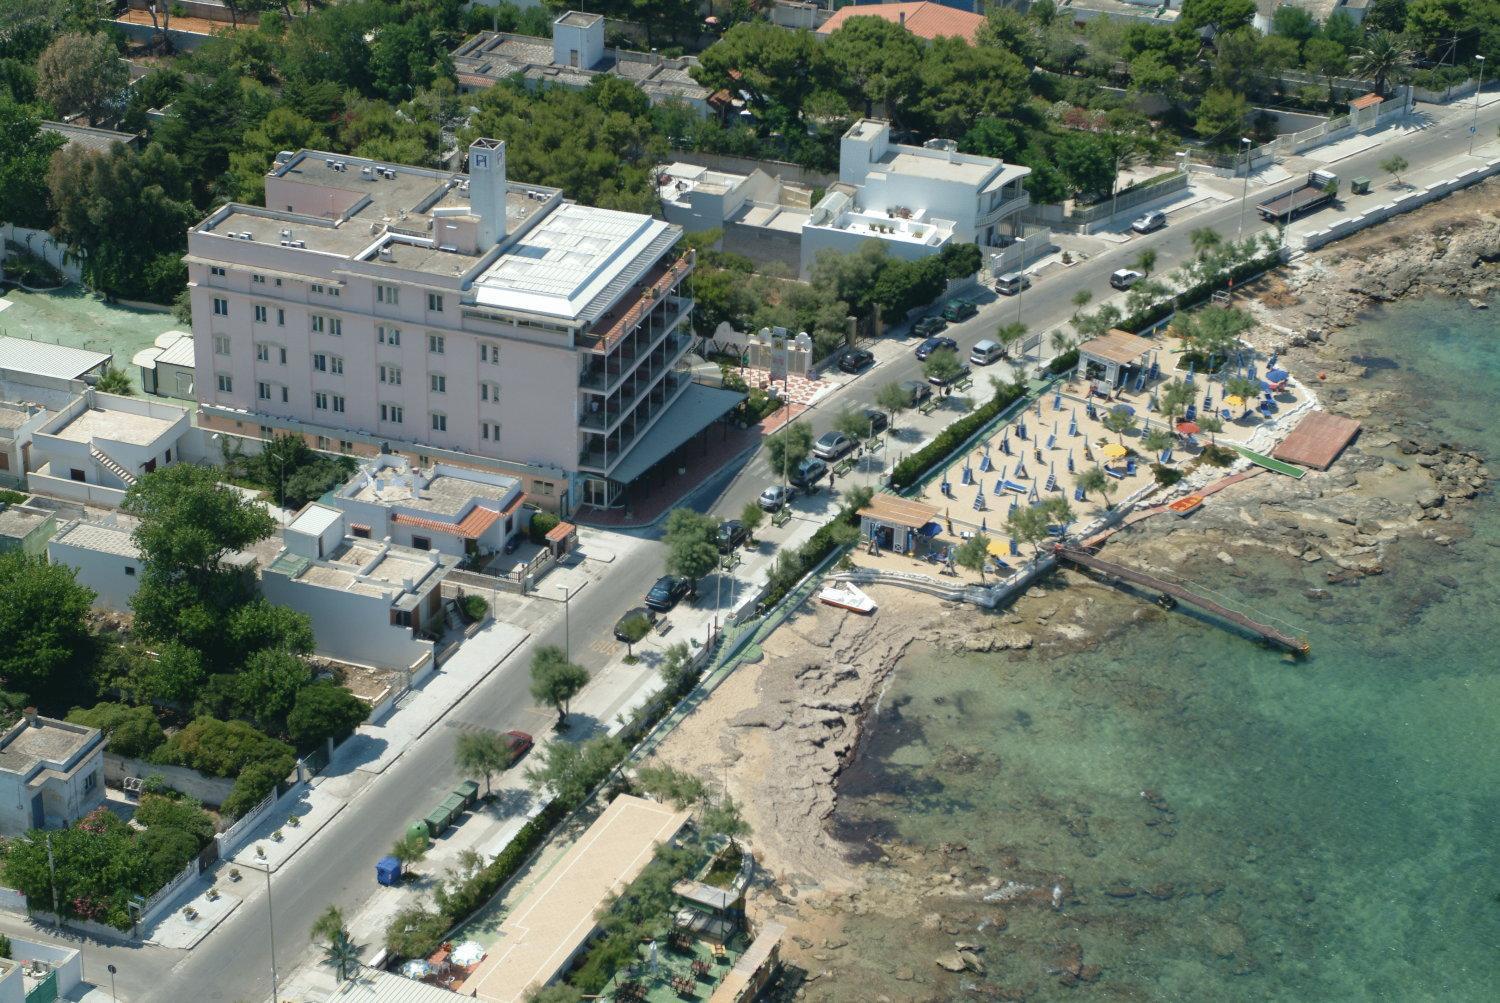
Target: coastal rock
[[971, 962], [950, 962], [1429, 498], [904, 974]]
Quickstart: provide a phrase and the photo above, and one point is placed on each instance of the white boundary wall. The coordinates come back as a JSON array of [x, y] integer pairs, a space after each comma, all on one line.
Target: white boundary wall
[[1406, 203]]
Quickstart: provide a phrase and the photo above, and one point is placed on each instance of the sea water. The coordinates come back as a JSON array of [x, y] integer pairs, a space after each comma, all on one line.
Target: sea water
[[1323, 830]]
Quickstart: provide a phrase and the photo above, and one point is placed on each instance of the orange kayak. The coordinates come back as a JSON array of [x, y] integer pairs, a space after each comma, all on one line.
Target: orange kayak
[[1185, 506]]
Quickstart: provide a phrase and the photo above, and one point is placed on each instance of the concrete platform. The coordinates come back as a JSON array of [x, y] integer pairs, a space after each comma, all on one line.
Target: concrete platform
[[1317, 440]]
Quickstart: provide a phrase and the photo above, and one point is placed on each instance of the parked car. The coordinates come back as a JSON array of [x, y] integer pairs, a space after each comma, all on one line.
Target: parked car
[[832, 445], [646, 612], [916, 392], [944, 381], [667, 592], [855, 359], [513, 543], [877, 419], [928, 326], [1124, 278], [731, 534], [517, 744], [957, 310], [986, 352], [809, 472], [931, 345], [775, 496], [1149, 222], [1012, 283]]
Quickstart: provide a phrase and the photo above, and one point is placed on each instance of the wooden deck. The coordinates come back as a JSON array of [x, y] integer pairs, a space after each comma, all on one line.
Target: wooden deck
[[1317, 440]]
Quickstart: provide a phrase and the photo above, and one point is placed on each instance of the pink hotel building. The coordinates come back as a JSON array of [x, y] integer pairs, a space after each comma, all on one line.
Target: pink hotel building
[[448, 317]]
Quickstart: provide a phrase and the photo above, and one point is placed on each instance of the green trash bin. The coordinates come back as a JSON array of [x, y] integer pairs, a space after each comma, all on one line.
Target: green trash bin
[[1359, 186], [469, 791]]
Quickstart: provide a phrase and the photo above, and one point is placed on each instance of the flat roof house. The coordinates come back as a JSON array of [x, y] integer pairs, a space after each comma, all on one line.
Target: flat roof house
[[23, 527], [455, 318], [167, 366], [51, 773], [21, 358], [370, 601], [95, 448], [456, 510], [573, 57], [19, 421]]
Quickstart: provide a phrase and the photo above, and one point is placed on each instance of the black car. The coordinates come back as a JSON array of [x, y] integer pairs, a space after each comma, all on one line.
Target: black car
[[731, 534], [931, 345], [877, 419], [667, 592], [928, 326], [855, 359], [643, 612], [916, 392]]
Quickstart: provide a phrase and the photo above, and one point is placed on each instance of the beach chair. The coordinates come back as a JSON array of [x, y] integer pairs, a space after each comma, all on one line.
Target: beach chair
[[1005, 445], [1191, 414], [1224, 413], [1078, 494], [984, 463], [1070, 461], [1051, 441], [1130, 466], [1155, 371], [946, 488], [1118, 475], [1089, 410], [1166, 456], [1051, 484], [1073, 429], [979, 500], [968, 477], [1057, 401], [1021, 470]]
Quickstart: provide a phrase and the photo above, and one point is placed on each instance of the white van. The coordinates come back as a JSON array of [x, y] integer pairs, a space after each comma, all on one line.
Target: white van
[[1012, 282], [1124, 278], [986, 352]]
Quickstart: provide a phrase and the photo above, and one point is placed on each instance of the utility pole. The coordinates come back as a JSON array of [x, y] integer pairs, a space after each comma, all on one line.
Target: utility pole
[[1245, 194], [567, 623], [1474, 124], [271, 927]]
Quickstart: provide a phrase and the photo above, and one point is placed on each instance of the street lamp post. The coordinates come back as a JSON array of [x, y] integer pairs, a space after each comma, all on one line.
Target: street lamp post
[[1474, 123], [1245, 194], [567, 623], [271, 928], [112, 997]]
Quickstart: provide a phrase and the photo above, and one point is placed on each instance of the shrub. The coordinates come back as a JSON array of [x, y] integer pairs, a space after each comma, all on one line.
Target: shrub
[[475, 607], [542, 523], [186, 816], [324, 710], [1166, 476], [1063, 362], [132, 731], [911, 469], [230, 749], [1219, 456]]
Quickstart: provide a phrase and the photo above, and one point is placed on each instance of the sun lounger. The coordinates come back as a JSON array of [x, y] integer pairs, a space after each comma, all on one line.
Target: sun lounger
[[1192, 412], [1166, 456], [1118, 475], [1130, 466], [1013, 486], [1078, 495]]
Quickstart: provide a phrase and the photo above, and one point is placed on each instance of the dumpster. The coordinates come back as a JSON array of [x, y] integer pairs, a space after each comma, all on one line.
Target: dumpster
[[469, 791], [1359, 186], [453, 804], [437, 821], [388, 869]]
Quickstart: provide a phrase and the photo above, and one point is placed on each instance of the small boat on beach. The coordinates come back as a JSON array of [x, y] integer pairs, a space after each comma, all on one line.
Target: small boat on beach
[[1186, 505], [847, 595]]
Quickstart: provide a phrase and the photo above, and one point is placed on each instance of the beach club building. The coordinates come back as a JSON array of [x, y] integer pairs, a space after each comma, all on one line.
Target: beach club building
[[1115, 358], [899, 525]]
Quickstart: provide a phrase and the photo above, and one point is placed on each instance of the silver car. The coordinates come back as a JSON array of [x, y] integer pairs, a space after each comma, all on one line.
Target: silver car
[[774, 497], [1150, 222]]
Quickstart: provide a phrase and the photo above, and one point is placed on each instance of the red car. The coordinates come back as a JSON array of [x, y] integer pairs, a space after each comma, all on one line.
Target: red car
[[517, 743]]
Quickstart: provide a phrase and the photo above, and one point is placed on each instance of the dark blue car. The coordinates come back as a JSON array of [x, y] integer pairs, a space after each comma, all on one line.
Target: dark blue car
[[931, 345]]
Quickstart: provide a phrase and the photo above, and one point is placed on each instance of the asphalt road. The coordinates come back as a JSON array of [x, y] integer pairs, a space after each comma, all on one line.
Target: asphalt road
[[336, 868]]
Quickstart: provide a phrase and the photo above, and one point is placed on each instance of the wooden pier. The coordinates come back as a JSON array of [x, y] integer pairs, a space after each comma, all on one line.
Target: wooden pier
[[1281, 638]]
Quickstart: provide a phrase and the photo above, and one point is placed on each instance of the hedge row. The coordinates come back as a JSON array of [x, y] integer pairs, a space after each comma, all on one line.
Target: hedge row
[[911, 469], [1198, 292]]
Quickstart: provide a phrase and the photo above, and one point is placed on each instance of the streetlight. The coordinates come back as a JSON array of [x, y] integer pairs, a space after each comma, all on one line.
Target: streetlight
[[567, 624], [1474, 124], [1245, 195], [111, 983], [271, 927]]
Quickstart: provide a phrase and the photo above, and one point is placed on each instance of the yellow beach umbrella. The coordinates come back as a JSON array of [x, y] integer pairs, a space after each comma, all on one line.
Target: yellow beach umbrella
[[1114, 451], [999, 548], [1233, 401]]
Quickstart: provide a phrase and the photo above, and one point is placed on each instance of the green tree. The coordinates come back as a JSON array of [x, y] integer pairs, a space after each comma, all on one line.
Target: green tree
[[49, 647], [974, 554], [572, 771], [323, 710], [1146, 261], [1239, 386], [82, 74], [555, 681], [1087, 161], [1394, 166], [676, 666], [854, 424], [1122, 423], [1294, 23], [634, 628], [329, 924], [942, 365], [1220, 115], [1155, 440], [691, 539], [751, 516], [1383, 57], [1217, 16], [172, 677], [959, 84], [668, 784], [874, 63], [409, 849], [132, 731], [485, 752], [1205, 241], [1029, 525], [416, 931], [268, 686], [260, 623], [25, 152], [789, 447], [342, 954], [1214, 332], [1325, 56], [892, 398], [1341, 30], [1213, 425], [1082, 297], [1175, 397], [776, 67], [1093, 480], [115, 381]]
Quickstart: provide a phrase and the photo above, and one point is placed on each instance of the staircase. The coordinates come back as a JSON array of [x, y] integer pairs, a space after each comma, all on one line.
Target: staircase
[[109, 463]]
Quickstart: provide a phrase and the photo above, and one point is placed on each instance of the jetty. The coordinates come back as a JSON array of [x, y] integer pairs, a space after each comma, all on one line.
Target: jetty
[[1282, 638]]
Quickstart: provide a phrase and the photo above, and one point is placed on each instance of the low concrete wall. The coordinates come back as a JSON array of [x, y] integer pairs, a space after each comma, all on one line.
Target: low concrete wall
[[209, 790], [65, 961], [1405, 203], [44, 246], [61, 487], [240, 833], [795, 173], [162, 900]]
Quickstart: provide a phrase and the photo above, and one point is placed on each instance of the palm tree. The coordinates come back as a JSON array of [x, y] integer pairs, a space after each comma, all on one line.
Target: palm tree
[[1205, 240], [1383, 56], [1175, 397], [1156, 440], [1120, 423], [1061, 343], [343, 955]]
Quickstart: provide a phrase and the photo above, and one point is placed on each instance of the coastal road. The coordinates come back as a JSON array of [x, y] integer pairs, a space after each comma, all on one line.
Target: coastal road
[[1047, 305]]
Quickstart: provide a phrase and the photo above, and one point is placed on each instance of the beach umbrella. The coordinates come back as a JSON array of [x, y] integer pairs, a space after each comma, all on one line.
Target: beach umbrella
[[984, 463], [1122, 409], [417, 969], [1013, 506], [984, 524], [1005, 444], [968, 475], [1070, 461], [979, 499], [1188, 428], [1114, 450], [470, 952], [1014, 550], [1234, 400]]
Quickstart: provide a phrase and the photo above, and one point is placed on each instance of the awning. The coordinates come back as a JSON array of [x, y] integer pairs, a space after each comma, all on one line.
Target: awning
[[689, 414]]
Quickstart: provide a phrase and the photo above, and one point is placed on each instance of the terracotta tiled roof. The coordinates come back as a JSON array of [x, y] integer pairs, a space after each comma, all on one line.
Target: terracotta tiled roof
[[1367, 101], [470, 527], [925, 20], [560, 532]]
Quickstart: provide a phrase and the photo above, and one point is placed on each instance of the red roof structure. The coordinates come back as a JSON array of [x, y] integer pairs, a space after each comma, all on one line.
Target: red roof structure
[[925, 20], [470, 527]]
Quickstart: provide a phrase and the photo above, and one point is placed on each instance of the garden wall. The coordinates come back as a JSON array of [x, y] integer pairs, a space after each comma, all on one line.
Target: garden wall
[[210, 790], [1406, 203], [44, 246]]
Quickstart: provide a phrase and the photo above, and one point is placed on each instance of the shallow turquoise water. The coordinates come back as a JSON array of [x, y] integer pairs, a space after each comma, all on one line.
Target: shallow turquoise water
[[1330, 827]]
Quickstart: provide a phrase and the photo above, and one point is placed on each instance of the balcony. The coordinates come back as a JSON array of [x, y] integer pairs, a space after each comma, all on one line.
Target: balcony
[[605, 450], [640, 382], [603, 374], [635, 305]]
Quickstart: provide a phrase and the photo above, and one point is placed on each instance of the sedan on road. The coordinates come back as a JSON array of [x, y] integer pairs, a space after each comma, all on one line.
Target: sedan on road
[[1124, 278], [928, 326], [1150, 222], [808, 473], [931, 345], [667, 592], [643, 612], [832, 445], [731, 534], [517, 744], [774, 497], [877, 419], [854, 360]]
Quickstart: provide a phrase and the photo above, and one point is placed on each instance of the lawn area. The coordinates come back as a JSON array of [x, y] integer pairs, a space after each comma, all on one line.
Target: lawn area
[[82, 320]]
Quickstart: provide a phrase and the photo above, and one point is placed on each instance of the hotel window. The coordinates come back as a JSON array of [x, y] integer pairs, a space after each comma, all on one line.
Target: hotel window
[[391, 375], [338, 404], [284, 398], [387, 294], [221, 344], [335, 291], [266, 431], [262, 352], [260, 314], [490, 354], [259, 280], [392, 413], [216, 270], [320, 401], [336, 364], [336, 327], [320, 363], [282, 350], [221, 307], [388, 335], [345, 446], [435, 302], [280, 317], [317, 324], [435, 344], [545, 487], [489, 391], [226, 383], [316, 287], [439, 422], [322, 442], [263, 391], [489, 430], [439, 383]]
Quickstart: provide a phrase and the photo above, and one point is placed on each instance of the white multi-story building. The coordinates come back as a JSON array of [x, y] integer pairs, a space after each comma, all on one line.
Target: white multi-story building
[[449, 317]]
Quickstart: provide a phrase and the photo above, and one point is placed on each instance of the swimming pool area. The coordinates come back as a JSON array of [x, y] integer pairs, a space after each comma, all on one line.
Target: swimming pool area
[[81, 319]]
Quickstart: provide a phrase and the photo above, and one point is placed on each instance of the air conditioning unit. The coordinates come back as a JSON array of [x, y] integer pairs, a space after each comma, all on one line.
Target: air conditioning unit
[[244, 235], [329, 163], [286, 234], [296, 243], [385, 254], [339, 165], [390, 174], [368, 173]]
